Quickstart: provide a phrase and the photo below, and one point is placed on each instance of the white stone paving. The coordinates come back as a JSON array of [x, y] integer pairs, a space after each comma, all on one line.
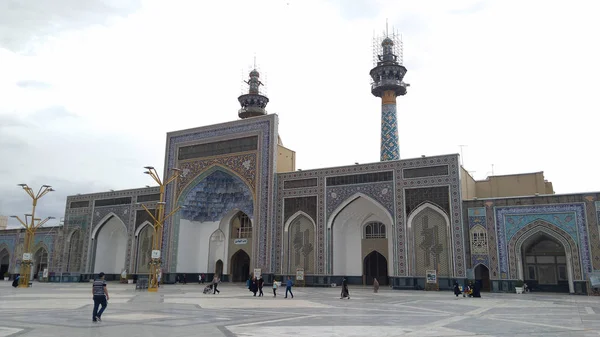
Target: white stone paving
[[177, 310]]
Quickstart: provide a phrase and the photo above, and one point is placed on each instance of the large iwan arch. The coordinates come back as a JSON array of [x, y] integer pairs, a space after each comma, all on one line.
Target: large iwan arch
[[110, 242], [346, 226]]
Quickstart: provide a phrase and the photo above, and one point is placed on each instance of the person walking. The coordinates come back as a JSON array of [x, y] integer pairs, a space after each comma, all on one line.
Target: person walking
[[100, 295], [216, 281], [375, 285], [261, 282], [288, 287], [274, 288], [345, 292]]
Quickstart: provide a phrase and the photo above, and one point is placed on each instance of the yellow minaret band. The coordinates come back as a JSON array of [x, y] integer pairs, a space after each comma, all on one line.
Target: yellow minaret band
[[388, 97]]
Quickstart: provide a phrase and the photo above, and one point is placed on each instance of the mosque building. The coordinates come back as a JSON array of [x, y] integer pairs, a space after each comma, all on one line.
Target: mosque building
[[246, 207]]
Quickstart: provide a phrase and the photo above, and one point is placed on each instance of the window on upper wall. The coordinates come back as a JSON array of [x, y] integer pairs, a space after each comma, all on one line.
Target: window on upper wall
[[241, 227], [375, 230], [479, 240]]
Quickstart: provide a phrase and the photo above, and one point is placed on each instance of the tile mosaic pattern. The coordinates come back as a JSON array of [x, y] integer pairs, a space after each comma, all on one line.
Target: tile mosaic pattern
[[381, 192], [244, 165], [516, 242], [390, 149], [509, 220], [399, 229], [593, 219], [266, 128], [477, 217], [214, 196]]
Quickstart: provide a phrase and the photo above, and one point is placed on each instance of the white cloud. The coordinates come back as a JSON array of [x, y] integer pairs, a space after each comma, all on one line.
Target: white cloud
[[100, 86]]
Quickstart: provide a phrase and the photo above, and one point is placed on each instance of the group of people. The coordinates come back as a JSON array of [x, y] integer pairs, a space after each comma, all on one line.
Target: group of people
[[255, 285], [470, 289]]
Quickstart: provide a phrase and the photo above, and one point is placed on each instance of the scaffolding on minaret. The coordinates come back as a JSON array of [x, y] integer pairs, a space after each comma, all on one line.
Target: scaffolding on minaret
[[253, 99], [387, 82]]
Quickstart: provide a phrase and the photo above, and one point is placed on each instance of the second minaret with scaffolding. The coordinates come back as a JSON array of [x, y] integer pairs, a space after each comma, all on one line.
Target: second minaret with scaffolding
[[387, 83]]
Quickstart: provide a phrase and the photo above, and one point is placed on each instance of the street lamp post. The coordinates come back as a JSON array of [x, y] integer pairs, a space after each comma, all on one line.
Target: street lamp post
[[30, 229], [159, 218]]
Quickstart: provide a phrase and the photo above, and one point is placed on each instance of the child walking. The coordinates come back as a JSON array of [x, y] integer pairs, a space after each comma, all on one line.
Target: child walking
[[274, 288]]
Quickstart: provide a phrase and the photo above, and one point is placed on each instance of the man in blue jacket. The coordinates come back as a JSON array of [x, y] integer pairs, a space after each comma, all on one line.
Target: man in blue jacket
[[288, 287]]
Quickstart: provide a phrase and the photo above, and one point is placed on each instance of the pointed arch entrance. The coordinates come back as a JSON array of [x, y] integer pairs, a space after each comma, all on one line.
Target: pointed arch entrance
[[375, 266], [545, 263], [40, 258], [4, 262], [240, 266], [219, 268], [545, 256], [482, 275], [144, 236]]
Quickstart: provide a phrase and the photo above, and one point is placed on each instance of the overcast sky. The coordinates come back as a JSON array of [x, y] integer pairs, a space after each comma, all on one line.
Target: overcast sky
[[88, 89]]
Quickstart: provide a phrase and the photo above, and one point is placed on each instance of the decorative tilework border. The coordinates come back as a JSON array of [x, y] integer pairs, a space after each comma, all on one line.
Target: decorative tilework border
[[492, 241], [381, 192], [264, 126], [477, 259], [477, 217], [577, 208], [593, 218]]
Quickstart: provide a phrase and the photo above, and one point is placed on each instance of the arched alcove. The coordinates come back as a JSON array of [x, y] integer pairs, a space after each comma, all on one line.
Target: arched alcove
[[300, 243], [346, 225], [240, 266], [217, 199], [217, 251], [144, 248], [40, 260], [74, 254], [110, 246], [431, 241]]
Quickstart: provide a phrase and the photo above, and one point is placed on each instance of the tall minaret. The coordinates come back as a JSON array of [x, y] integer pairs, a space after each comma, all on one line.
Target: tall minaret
[[254, 102], [387, 83]]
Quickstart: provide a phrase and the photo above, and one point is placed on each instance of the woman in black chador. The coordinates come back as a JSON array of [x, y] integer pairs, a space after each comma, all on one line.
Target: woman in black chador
[[345, 292], [456, 289]]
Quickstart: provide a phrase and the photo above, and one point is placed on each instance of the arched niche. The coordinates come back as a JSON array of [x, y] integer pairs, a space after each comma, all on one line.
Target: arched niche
[[429, 228], [217, 252], [213, 201], [75, 245], [144, 236], [299, 243], [544, 249], [40, 260], [346, 231], [4, 261], [110, 241]]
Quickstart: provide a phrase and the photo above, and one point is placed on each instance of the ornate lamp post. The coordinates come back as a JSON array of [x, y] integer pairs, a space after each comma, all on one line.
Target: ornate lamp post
[[159, 218], [30, 229]]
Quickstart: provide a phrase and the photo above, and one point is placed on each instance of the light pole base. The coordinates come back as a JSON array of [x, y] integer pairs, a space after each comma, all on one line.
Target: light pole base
[[152, 290], [23, 285]]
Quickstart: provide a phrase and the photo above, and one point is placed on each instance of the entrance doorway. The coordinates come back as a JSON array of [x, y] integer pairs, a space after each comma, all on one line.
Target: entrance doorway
[[41, 260], [482, 275], [240, 266], [375, 266], [219, 268], [4, 262], [545, 264]]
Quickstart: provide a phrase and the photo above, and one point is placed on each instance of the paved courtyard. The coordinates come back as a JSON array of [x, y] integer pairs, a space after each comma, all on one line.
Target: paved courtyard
[[178, 310]]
